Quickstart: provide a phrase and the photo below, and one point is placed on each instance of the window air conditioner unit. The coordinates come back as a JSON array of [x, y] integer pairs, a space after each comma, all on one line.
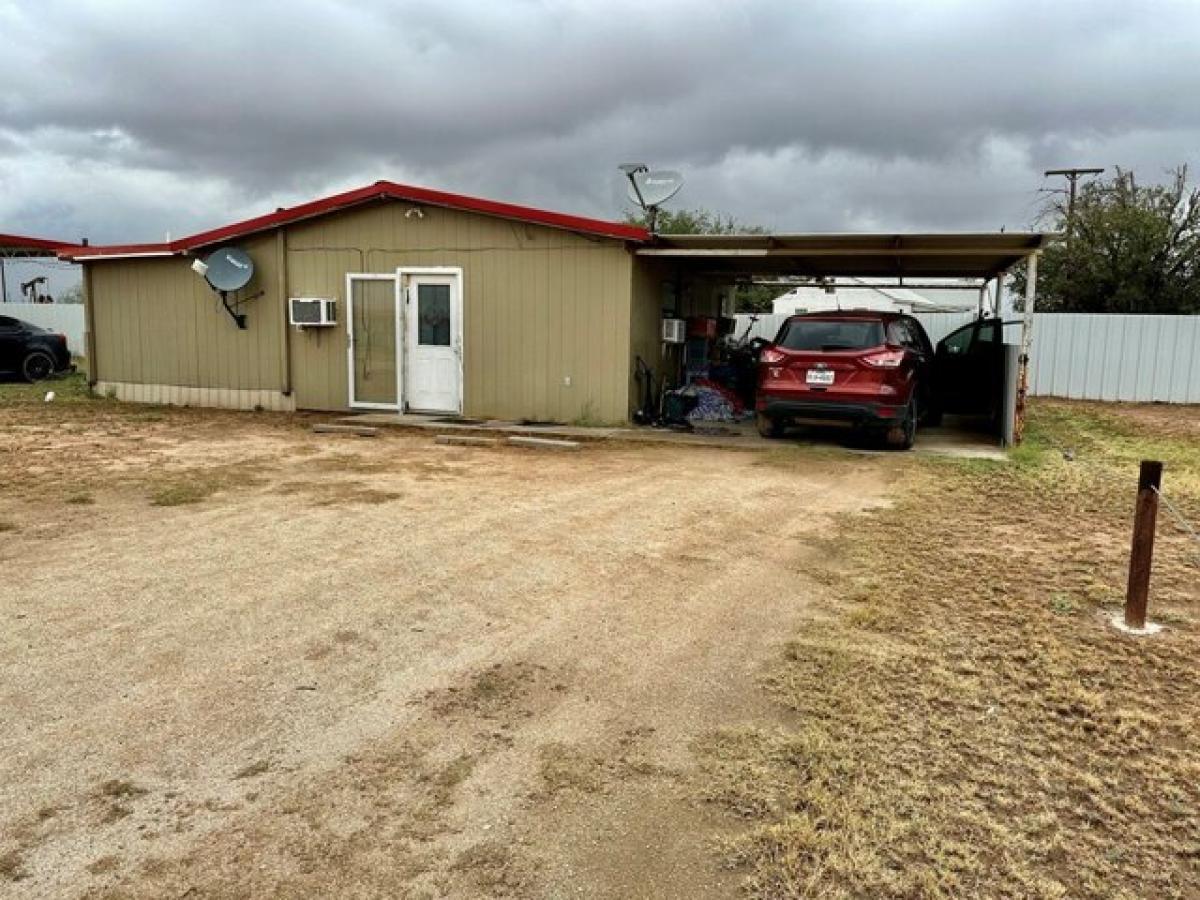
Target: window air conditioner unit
[[312, 312], [674, 331]]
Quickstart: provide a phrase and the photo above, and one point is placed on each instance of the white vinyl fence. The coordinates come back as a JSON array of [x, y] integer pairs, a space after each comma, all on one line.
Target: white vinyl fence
[[1087, 356], [64, 318]]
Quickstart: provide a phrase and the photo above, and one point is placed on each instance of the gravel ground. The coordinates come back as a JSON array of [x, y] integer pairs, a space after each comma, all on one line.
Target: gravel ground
[[239, 659]]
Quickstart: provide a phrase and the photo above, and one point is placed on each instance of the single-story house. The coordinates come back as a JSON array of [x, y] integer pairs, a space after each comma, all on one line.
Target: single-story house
[[416, 299]]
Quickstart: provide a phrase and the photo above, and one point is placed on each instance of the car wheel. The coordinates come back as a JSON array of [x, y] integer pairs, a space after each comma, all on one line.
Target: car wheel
[[904, 435], [768, 427], [38, 366]]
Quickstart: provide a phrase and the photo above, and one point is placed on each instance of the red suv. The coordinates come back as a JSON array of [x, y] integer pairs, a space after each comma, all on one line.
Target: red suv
[[863, 368]]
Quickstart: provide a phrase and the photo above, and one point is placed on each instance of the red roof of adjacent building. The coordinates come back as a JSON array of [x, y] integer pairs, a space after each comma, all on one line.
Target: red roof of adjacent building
[[21, 242], [380, 190]]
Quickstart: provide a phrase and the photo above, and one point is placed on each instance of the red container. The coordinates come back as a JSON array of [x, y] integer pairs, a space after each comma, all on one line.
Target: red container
[[702, 327]]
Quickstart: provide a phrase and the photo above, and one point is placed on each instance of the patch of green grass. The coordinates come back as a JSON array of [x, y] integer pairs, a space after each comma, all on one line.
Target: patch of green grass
[[1102, 434], [1030, 453], [68, 389], [183, 493], [1064, 604]]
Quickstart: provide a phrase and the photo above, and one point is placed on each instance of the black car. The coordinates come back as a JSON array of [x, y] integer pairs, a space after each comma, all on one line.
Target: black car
[[30, 352]]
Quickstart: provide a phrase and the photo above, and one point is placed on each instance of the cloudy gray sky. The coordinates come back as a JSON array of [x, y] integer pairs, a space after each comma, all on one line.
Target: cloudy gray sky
[[123, 121]]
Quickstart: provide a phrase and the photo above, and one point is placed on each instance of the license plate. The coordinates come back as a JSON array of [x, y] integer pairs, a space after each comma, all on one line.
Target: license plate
[[819, 376]]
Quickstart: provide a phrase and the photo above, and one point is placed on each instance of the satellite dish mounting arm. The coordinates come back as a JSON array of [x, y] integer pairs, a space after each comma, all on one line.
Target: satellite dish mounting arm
[[630, 170], [227, 271], [231, 308]]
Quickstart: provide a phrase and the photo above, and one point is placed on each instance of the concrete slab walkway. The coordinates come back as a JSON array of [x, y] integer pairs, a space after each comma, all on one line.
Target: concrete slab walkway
[[951, 439]]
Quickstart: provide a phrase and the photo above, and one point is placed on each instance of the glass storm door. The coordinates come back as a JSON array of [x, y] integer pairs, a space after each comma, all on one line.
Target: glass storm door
[[433, 343], [374, 327]]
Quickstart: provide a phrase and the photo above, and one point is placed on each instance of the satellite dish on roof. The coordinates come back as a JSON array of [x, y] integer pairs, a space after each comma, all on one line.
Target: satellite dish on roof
[[649, 189], [654, 188], [229, 269]]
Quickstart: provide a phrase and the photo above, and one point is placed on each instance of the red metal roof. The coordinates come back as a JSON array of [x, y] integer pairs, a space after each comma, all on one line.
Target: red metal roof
[[380, 190], [22, 242]]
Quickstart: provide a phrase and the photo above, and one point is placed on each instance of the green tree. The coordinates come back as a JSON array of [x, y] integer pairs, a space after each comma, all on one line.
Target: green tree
[[751, 298], [694, 221], [1128, 248]]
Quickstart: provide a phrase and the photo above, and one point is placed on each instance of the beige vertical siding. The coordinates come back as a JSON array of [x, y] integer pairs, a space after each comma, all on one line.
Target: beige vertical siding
[[649, 277], [540, 306], [546, 327], [698, 296], [156, 322]]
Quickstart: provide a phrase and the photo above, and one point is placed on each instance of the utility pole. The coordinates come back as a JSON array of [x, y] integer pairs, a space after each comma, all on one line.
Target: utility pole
[[1072, 176]]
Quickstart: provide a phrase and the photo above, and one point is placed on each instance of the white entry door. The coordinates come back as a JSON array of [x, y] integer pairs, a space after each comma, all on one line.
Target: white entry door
[[433, 340]]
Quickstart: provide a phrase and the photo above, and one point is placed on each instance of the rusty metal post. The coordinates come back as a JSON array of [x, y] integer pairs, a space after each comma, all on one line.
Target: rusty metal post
[[1141, 553], [1026, 345]]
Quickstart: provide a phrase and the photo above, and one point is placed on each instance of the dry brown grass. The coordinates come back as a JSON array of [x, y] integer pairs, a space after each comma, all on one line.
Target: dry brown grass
[[197, 484], [12, 866], [968, 724], [261, 767], [119, 788], [337, 492]]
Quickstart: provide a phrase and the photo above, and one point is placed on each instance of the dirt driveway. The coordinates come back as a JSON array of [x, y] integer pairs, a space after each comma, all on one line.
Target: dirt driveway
[[240, 659]]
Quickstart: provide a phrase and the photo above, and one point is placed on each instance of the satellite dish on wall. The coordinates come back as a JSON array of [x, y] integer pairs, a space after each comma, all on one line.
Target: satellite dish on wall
[[229, 269], [654, 188]]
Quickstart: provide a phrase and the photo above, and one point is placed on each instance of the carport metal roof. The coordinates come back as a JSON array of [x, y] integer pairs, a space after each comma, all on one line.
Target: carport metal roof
[[867, 255]]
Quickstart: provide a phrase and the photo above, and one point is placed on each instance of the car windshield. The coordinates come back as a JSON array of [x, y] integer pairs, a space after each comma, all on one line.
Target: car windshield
[[828, 334]]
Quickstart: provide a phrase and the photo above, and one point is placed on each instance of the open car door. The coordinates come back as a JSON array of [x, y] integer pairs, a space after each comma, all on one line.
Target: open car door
[[969, 369]]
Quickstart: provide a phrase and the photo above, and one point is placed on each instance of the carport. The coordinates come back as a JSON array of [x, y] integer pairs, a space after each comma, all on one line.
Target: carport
[[19, 246], [703, 265]]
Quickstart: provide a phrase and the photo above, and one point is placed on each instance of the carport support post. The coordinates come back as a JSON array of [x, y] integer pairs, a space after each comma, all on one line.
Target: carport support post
[[1026, 344], [1141, 553]]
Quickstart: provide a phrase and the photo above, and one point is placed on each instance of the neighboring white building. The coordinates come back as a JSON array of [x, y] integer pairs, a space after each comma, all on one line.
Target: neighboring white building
[[865, 295]]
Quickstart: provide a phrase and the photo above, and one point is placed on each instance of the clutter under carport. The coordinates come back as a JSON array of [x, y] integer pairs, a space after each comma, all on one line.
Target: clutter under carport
[[706, 377]]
